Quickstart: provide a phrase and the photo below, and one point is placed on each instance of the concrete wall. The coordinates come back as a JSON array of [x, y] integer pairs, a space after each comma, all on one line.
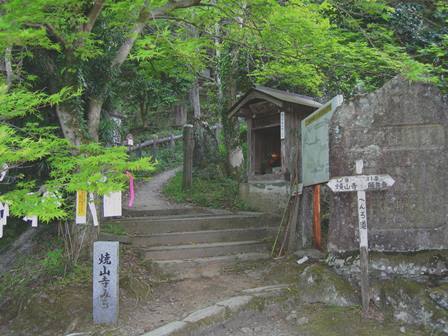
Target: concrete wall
[[266, 196], [400, 130]]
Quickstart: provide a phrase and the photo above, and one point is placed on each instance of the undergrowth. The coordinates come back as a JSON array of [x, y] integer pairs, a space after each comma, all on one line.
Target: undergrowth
[[166, 158], [44, 266], [115, 229], [213, 192]]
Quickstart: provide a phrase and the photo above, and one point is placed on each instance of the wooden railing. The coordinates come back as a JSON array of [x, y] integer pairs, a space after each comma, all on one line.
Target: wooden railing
[[171, 139], [155, 142]]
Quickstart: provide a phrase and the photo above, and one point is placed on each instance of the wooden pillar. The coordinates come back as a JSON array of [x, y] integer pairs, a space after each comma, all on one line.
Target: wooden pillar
[[188, 157], [250, 148], [306, 219], [172, 142], [316, 217], [155, 147]]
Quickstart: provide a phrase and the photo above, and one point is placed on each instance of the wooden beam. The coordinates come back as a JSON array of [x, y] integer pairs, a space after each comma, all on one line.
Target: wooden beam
[[187, 180], [266, 126], [316, 217], [253, 96]]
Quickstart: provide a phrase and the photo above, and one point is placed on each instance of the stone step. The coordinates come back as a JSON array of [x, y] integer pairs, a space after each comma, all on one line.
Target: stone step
[[165, 212], [207, 236], [208, 267], [147, 225], [192, 251]]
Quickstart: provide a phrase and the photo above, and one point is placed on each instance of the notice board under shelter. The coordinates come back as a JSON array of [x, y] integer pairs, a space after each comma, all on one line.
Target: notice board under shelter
[[273, 140]]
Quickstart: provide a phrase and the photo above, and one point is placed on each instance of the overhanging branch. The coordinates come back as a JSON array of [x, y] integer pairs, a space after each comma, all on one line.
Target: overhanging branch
[[93, 16], [144, 16]]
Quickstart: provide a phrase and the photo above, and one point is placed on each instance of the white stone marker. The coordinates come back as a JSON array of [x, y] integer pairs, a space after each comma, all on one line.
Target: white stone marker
[[105, 282], [361, 184]]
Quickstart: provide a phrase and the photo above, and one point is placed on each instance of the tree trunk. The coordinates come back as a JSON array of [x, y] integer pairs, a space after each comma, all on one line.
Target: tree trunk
[[94, 116], [69, 124], [8, 67], [195, 100]]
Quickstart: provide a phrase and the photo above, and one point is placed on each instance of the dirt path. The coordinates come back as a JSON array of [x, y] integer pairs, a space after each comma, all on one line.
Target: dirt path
[[148, 194]]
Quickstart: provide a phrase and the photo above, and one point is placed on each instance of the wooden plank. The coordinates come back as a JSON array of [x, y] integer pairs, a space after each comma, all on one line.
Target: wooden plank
[[188, 157], [292, 243], [305, 215], [316, 218], [361, 182], [250, 149], [266, 126], [284, 161]]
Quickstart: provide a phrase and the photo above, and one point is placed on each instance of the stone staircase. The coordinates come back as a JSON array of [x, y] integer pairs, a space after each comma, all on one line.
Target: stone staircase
[[194, 242]]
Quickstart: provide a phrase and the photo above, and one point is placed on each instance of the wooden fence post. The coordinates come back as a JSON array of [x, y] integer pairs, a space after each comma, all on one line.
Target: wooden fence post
[[172, 142], [316, 218], [188, 157], [155, 148]]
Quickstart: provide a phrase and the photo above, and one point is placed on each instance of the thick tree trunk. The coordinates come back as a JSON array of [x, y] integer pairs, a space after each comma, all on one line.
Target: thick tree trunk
[[8, 67], [69, 124], [94, 117], [195, 100]]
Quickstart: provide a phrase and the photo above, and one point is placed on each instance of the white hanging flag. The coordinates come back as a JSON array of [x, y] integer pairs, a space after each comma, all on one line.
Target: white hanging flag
[[31, 219], [81, 207], [93, 209], [112, 204], [3, 214]]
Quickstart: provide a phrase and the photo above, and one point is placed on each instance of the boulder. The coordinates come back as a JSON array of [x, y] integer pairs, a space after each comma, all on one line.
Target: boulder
[[319, 284]]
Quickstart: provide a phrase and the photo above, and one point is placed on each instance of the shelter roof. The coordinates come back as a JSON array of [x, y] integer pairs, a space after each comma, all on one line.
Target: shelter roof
[[277, 97]]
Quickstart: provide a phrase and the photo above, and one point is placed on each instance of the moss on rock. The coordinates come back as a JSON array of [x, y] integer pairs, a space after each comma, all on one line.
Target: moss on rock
[[319, 284]]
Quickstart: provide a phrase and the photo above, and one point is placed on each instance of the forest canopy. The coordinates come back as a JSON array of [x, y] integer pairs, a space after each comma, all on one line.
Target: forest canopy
[[67, 65]]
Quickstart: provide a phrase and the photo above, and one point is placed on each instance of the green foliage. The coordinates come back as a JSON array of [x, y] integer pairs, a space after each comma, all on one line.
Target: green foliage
[[53, 263], [168, 158], [115, 229], [218, 192], [89, 167]]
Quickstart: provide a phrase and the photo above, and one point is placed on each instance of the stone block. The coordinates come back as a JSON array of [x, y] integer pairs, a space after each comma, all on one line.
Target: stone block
[[168, 329], [400, 130], [206, 313], [235, 303], [105, 282]]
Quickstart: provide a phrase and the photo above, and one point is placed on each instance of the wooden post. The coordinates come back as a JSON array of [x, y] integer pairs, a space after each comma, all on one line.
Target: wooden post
[[172, 142], [316, 217], [305, 213], [292, 244], [188, 157], [155, 148], [361, 184]]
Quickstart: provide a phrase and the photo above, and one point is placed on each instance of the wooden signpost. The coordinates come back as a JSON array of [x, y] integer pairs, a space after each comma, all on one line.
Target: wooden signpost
[[187, 178], [361, 184]]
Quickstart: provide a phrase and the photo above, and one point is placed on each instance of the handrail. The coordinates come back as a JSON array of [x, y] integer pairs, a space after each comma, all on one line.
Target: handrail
[[157, 141]]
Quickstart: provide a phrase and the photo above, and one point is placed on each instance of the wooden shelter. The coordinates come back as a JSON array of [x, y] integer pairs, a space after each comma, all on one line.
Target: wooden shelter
[[273, 131]]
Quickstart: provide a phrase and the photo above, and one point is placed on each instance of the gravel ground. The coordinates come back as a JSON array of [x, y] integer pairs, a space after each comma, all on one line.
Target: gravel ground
[[148, 194]]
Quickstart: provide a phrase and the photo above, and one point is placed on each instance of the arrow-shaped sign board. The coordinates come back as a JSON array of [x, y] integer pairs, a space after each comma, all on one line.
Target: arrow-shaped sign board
[[361, 183]]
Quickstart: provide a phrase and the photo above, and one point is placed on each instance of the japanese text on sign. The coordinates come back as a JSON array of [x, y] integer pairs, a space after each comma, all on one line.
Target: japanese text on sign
[[105, 282]]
